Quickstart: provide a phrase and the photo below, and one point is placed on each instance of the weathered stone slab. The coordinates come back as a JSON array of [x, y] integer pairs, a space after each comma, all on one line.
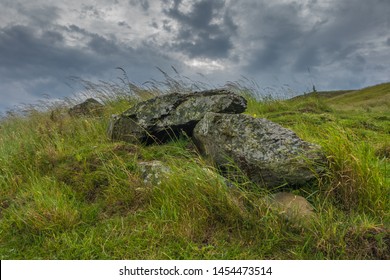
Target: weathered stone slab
[[266, 152], [166, 117]]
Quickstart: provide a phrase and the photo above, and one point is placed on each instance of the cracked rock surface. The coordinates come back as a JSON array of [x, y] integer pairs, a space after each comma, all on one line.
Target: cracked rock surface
[[266, 152], [164, 118]]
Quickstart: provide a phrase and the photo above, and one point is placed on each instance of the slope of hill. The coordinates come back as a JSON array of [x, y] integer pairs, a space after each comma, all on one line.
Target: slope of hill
[[324, 94], [375, 97], [68, 192]]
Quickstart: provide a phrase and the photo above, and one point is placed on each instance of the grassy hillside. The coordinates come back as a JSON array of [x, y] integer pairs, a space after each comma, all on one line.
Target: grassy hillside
[[371, 98], [68, 192]]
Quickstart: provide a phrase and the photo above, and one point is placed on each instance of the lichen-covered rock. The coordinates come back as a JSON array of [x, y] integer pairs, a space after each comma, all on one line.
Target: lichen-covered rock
[[266, 152], [89, 108], [166, 117], [152, 172]]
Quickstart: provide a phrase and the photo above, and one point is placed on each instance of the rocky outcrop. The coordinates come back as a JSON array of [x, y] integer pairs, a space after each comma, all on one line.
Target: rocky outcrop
[[89, 108], [267, 153], [166, 117]]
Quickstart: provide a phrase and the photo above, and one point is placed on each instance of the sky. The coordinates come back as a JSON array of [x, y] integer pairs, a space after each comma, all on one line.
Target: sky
[[332, 44]]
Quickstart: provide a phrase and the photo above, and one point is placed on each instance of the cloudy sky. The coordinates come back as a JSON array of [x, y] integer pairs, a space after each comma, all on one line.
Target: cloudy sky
[[334, 44]]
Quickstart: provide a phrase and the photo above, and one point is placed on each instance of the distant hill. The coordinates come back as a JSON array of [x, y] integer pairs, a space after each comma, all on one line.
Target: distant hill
[[377, 96]]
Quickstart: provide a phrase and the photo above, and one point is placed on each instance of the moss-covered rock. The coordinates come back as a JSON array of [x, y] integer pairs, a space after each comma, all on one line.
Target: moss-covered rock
[[166, 117], [266, 152]]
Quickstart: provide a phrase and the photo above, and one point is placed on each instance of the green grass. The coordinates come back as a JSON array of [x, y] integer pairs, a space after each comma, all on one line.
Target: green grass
[[374, 98], [371, 98], [68, 192]]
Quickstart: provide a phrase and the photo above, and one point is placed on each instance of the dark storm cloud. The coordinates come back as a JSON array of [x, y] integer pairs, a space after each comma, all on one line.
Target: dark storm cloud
[[26, 53], [204, 31], [144, 4], [348, 31], [89, 11], [338, 43], [37, 62], [334, 33], [279, 36], [277, 31], [168, 27], [97, 43], [323, 40], [38, 15]]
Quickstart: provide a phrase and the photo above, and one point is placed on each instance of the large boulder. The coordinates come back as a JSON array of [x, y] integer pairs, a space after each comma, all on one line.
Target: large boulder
[[165, 117], [89, 108], [266, 152]]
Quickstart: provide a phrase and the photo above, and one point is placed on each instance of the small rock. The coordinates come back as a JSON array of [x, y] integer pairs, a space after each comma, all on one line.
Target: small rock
[[293, 207], [152, 172], [89, 108]]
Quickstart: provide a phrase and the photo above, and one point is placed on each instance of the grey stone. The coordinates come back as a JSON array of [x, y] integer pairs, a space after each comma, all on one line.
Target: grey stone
[[166, 117], [89, 108], [152, 172], [267, 153]]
